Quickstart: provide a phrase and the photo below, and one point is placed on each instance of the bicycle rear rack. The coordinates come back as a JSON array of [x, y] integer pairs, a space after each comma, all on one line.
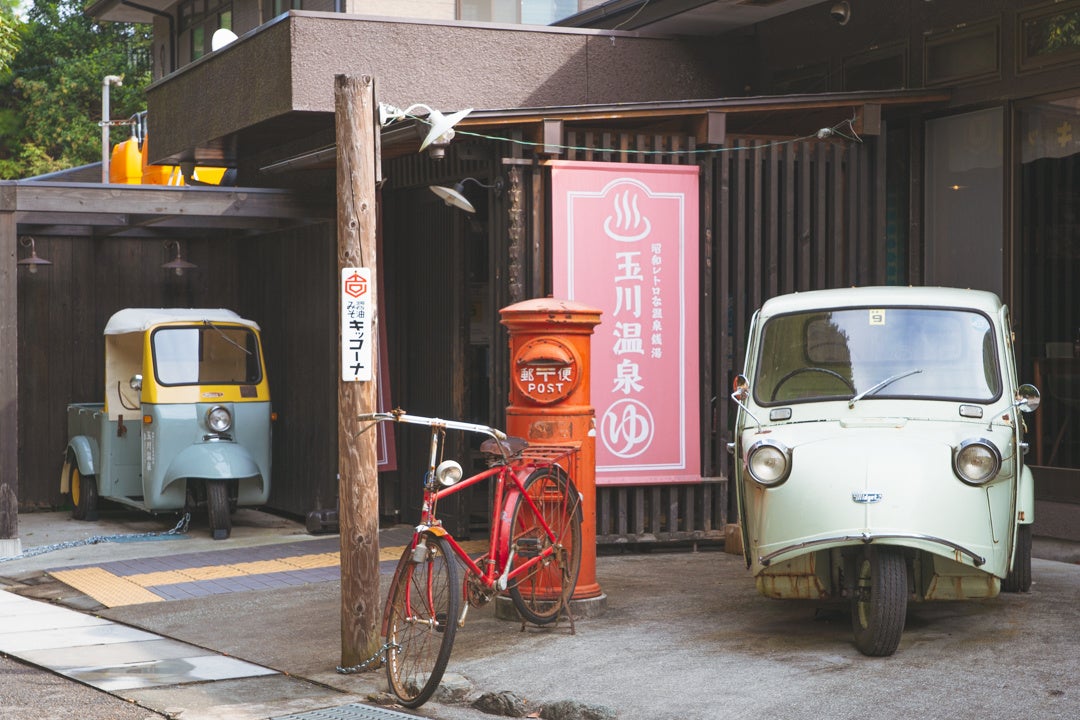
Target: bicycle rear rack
[[544, 455]]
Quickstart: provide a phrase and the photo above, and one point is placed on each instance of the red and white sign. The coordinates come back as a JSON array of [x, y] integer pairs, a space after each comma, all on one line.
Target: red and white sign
[[356, 339], [625, 240]]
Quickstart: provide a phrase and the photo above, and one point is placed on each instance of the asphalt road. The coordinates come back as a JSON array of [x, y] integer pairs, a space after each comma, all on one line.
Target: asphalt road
[[27, 693], [687, 637]]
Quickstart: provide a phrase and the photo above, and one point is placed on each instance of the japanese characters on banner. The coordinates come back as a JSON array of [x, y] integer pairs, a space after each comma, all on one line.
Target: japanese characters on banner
[[356, 352], [625, 241], [355, 324]]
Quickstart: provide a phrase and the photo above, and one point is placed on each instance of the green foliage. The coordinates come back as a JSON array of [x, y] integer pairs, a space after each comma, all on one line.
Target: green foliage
[[1055, 33], [8, 40], [51, 108]]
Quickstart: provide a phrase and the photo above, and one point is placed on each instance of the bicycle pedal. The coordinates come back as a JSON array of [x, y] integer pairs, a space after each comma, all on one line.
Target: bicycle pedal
[[527, 547]]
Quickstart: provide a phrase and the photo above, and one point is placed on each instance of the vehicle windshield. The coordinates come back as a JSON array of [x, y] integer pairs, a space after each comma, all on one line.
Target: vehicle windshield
[[873, 353], [206, 354]]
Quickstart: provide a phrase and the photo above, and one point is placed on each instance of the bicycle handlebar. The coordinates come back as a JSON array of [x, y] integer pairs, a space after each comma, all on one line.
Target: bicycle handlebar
[[400, 416]]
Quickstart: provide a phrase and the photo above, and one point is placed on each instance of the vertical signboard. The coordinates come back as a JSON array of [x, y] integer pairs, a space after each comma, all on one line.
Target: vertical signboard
[[625, 240], [357, 352], [355, 324]]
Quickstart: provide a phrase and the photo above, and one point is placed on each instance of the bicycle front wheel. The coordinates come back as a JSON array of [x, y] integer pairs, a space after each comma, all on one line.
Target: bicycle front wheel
[[422, 612], [546, 524]]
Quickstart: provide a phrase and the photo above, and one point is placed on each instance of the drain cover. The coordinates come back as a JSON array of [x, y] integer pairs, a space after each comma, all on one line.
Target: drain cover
[[349, 712]]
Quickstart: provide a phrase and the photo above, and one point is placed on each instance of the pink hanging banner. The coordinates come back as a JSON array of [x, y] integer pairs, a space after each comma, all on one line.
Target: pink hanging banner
[[625, 241]]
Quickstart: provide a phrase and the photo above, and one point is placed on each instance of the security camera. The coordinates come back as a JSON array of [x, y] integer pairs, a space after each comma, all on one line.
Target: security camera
[[840, 12]]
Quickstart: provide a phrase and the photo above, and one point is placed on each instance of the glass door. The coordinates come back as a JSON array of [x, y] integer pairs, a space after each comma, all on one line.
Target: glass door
[[1049, 331]]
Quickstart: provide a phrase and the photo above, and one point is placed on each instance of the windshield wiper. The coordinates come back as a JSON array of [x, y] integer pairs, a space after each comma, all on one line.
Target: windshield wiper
[[880, 385], [228, 339]]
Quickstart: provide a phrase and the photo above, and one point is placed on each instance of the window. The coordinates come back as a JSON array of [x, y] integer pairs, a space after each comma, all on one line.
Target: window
[[970, 53], [527, 12], [885, 352], [206, 355], [802, 79], [1049, 35], [199, 20], [964, 197], [883, 68]]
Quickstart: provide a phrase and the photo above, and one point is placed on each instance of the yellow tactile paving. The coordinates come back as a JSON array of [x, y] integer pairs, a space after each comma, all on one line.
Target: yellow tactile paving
[[106, 588], [113, 590], [219, 572]]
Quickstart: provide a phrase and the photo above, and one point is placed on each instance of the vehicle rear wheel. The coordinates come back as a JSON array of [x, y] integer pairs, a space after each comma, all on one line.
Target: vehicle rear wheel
[[84, 494], [879, 601], [550, 499], [217, 507], [1019, 578]]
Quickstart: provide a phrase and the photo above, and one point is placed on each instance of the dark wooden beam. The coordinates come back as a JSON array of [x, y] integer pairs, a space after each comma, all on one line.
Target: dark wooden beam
[[552, 138], [9, 385], [37, 197], [868, 119], [711, 128]]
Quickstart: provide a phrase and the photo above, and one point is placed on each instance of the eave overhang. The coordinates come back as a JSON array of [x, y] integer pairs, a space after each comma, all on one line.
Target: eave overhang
[[154, 211]]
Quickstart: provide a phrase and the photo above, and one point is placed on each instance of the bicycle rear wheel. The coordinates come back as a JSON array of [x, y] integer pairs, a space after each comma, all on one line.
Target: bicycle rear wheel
[[540, 593], [423, 607]]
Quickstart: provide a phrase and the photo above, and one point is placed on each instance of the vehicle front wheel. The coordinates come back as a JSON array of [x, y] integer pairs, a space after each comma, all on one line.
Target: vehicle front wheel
[[1019, 578], [84, 494], [217, 507], [879, 601]]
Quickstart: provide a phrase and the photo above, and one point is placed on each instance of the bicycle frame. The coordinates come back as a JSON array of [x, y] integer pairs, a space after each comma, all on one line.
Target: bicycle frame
[[497, 562], [500, 555], [533, 553]]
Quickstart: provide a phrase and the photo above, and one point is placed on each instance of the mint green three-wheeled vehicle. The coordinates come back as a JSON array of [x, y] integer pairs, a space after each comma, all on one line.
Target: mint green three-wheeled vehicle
[[879, 452], [186, 420]]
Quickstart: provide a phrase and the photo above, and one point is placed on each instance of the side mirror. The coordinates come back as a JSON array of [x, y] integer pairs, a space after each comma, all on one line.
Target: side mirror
[[740, 393], [1028, 398], [136, 383], [740, 388]]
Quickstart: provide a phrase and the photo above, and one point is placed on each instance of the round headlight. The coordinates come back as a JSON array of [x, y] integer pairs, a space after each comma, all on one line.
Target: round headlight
[[218, 419], [448, 473], [977, 461], [768, 462]]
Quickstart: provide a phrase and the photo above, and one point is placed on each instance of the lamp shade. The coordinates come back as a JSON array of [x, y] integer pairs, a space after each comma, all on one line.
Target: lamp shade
[[453, 197]]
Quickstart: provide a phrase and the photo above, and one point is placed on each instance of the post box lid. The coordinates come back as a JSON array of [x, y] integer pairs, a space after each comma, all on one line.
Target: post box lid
[[539, 305]]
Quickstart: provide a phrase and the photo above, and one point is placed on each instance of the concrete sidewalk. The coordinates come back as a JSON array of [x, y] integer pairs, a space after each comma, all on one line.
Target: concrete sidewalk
[[685, 636]]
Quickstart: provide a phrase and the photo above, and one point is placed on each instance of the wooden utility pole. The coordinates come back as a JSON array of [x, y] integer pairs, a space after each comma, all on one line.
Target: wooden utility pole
[[358, 484]]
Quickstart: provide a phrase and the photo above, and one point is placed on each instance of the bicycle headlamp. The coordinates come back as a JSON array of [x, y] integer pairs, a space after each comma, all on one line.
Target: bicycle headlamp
[[977, 461], [768, 462], [448, 473], [219, 419]]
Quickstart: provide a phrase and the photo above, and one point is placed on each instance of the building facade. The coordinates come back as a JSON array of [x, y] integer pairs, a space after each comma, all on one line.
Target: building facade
[[836, 144]]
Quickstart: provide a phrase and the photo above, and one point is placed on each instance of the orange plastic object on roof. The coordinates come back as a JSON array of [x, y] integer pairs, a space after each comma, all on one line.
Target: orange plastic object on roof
[[125, 165]]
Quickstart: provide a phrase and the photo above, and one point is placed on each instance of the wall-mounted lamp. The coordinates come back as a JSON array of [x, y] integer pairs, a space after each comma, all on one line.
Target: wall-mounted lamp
[[840, 12], [33, 262], [221, 38], [442, 126], [178, 264], [455, 196]]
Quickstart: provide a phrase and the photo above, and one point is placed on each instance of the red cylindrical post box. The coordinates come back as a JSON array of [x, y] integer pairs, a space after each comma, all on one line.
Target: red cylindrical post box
[[549, 400]]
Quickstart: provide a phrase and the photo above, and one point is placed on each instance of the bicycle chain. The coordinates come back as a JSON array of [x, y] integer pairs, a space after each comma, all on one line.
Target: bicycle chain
[[360, 667]]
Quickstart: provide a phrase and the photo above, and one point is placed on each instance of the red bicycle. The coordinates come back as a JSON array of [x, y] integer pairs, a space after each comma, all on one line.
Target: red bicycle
[[533, 553]]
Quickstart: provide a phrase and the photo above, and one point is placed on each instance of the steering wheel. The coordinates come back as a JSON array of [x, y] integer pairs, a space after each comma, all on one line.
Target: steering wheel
[[799, 371]]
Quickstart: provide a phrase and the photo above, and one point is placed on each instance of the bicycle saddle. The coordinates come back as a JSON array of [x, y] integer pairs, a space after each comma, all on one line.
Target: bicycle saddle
[[510, 447]]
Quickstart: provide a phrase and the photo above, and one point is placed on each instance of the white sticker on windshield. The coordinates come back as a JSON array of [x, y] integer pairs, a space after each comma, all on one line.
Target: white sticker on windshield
[[877, 316]]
